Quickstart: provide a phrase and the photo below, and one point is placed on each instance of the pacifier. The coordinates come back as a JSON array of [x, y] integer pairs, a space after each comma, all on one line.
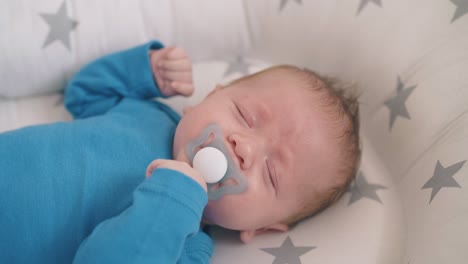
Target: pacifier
[[209, 156], [211, 163]]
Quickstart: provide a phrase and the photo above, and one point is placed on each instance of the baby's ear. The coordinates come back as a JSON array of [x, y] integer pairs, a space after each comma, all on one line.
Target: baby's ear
[[247, 235], [216, 89]]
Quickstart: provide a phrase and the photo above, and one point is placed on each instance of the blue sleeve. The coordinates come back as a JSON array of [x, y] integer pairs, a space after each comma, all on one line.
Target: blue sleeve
[[162, 225], [100, 85]]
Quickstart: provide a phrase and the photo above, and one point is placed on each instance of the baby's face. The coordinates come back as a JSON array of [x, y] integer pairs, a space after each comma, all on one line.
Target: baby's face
[[277, 137]]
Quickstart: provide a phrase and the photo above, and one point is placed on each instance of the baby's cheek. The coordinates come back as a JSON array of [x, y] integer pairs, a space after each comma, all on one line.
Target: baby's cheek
[[226, 213]]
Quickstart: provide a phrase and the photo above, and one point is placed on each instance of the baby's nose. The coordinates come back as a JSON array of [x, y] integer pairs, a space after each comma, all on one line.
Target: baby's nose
[[244, 150]]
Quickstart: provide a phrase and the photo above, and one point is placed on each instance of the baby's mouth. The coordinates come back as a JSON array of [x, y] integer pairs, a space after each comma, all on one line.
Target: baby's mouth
[[220, 184], [233, 182], [215, 186]]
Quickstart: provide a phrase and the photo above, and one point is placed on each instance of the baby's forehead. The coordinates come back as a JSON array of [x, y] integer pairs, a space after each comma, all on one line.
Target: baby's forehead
[[281, 85]]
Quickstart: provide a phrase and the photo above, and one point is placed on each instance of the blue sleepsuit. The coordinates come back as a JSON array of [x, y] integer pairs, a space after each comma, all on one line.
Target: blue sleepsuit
[[75, 192]]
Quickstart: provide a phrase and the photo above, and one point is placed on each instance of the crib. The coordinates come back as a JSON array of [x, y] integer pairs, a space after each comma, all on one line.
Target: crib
[[408, 59]]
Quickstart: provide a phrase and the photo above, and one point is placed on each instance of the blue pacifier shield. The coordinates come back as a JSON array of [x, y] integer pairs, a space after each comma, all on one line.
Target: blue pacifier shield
[[233, 182]]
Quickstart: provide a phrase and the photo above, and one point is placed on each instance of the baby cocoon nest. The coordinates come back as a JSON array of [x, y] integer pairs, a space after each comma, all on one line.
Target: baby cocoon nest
[[77, 192]]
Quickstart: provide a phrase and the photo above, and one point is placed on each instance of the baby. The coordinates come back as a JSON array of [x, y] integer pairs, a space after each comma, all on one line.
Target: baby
[[76, 191]]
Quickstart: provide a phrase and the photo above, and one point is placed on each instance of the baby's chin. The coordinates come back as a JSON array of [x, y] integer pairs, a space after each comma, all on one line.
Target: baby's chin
[[214, 214], [211, 216]]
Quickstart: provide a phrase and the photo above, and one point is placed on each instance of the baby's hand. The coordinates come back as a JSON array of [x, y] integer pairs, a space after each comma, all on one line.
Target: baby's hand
[[180, 166], [172, 70]]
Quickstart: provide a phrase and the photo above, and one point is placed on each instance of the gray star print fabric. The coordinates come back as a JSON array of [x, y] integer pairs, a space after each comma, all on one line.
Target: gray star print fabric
[[408, 60]]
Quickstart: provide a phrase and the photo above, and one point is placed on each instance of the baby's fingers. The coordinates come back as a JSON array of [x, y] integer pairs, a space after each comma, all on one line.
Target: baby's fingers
[[185, 89], [178, 76], [152, 166], [168, 164], [176, 54], [176, 65]]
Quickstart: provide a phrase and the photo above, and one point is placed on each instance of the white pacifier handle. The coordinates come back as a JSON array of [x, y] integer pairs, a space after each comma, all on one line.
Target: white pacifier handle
[[211, 163]]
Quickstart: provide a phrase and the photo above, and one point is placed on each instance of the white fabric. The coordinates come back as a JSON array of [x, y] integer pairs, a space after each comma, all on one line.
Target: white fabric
[[424, 44], [29, 68]]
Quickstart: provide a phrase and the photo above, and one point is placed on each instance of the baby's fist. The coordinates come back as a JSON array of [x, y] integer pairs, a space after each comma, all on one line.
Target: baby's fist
[[172, 70], [179, 166]]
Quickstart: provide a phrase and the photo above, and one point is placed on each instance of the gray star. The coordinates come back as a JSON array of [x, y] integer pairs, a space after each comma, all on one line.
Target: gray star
[[284, 2], [360, 188], [365, 2], [238, 65], [397, 104], [443, 177], [60, 26], [287, 252], [462, 9]]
